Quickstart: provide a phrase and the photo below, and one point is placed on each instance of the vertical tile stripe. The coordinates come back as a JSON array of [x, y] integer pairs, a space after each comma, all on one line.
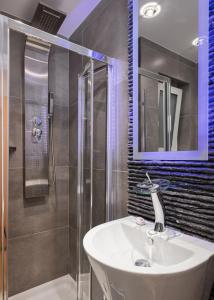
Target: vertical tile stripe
[[189, 201]]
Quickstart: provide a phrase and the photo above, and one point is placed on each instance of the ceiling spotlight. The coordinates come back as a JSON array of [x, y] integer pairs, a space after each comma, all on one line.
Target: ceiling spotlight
[[198, 42], [150, 10]]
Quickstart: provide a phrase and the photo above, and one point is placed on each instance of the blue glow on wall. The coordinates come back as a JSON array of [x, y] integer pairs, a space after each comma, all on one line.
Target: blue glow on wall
[[190, 200]]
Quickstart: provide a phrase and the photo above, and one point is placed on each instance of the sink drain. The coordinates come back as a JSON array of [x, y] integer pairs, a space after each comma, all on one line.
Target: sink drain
[[142, 263]]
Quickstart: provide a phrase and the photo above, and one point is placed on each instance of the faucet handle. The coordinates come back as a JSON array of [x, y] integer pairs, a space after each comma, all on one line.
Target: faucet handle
[[149, 179], [147, 186], [140, 221], [156, 184], [162, 183], [143, 188]]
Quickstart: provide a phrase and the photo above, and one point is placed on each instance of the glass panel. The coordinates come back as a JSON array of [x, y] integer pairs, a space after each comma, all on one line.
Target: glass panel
[[44, 237], [85, 107], [100, 155], [148, 114], [92, 111], [4, 111], [152, 110], [42, 225]]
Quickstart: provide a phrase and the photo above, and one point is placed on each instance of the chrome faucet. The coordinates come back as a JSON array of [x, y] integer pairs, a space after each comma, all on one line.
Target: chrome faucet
[[158, 205], [154, 188]]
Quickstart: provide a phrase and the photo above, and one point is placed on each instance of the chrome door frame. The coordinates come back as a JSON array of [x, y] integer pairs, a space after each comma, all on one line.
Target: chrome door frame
[[55, 40]]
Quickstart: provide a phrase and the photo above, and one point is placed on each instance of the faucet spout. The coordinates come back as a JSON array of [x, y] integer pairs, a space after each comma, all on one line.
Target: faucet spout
[[159, 211], [158, 205]]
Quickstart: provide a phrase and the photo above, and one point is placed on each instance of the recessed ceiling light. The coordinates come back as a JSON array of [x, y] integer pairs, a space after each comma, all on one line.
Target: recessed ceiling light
[[150, 10], [198, 41]]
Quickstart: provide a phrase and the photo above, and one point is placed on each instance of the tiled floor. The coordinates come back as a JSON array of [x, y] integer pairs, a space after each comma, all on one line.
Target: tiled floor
[[63, 288]]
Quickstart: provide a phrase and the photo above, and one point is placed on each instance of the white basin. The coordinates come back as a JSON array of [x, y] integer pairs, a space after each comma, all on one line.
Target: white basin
[[178, 263]]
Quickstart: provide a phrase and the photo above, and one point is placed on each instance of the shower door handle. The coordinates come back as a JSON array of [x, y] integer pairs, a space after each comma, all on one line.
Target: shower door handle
[[85, 142]]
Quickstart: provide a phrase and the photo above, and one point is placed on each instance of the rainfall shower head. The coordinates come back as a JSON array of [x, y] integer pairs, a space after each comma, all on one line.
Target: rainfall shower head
[[47, 19]]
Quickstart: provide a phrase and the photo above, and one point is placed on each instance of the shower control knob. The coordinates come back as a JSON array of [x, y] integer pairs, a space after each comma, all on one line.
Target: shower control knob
[[37, 133], [36, 130], [37, 121], [140, 221]]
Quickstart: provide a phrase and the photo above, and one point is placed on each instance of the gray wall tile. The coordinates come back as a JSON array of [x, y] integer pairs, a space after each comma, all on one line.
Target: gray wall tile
[[59, 75], [36, 259], [100, 118], [96, 289], [99, 197], [73, 134], [37, 214], [15, 133], [107, 32], [120, 181], [17, 45], [121, 119], [61, 135], [76, 68], [188, 125], [73, 252], [73, 197]]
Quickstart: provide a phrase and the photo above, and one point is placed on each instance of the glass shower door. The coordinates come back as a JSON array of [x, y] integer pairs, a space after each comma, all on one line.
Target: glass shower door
[[85, 165], [92, 156], [46, 231]]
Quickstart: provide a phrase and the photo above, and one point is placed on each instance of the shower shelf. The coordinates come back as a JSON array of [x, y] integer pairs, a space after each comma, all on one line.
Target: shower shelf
[[12, 148]]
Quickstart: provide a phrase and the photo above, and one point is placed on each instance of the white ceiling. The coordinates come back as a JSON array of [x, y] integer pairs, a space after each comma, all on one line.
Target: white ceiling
[[76, 11], [174, 28]]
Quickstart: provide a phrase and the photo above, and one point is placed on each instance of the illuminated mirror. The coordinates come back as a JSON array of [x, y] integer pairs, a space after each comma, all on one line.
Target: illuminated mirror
[[170, 86]]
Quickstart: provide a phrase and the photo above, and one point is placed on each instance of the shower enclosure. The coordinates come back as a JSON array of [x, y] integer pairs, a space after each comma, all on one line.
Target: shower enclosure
[[56, 122]]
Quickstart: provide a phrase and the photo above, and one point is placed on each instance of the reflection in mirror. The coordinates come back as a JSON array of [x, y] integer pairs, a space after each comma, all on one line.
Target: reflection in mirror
[[166, 34], [169, 48]]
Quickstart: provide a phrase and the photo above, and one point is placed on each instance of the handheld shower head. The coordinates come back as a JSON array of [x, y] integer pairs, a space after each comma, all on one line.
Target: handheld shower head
[[50, 105]]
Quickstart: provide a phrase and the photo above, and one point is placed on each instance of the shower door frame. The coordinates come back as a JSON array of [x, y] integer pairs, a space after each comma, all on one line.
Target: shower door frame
[[7, 24], [88, 74]]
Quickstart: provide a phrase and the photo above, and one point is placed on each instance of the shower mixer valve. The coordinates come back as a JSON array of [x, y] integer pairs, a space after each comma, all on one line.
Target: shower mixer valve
[[37, 131], [37, 121]]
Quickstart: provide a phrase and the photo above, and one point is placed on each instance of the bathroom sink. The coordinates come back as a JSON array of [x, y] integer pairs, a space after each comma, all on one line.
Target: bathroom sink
[[131, 263]]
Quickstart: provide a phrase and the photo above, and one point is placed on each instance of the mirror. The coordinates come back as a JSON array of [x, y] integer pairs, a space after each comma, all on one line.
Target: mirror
[[170, 88]]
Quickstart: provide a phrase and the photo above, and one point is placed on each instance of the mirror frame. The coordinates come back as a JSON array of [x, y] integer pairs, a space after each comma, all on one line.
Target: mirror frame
[[203, 90]]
